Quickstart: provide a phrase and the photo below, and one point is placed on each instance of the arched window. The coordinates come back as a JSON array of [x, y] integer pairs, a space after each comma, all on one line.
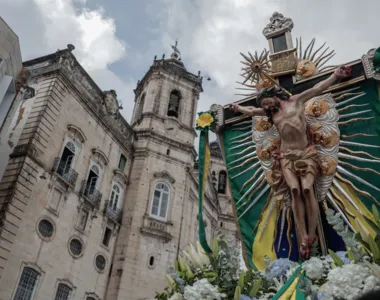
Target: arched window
[[67, 159], [160, 201], [222, 182], [27, 284], [91, 184], [173, 109], [115, 196], [63, 292], [140, 108]]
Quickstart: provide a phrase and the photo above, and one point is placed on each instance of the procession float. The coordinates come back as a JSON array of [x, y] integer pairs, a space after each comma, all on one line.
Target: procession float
[[302, 151]]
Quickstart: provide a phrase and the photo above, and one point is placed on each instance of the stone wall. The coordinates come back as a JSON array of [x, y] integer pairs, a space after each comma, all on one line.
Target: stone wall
[[32, 190]]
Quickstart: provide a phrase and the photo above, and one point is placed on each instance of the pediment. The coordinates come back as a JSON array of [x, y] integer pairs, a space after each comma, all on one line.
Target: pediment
[[164, 175], [120, 176], [77, 132], [101, 155]]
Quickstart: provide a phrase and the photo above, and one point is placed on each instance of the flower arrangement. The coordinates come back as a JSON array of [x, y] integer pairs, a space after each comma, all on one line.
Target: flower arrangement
[[206, 121], [341, 275]]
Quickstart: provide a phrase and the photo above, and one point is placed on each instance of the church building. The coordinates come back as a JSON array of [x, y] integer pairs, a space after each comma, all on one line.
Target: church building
[[93, 207]]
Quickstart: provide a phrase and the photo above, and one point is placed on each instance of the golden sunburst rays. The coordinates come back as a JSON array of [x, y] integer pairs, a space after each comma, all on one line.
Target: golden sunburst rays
[[351, 136], [250, 148], [348, 174], [347, 157], [345, 194], [250, 143], [357, 113], [242, 140], [245, 157], [256, 70], [341, 148], [311, 62], [333, 202], [259, 196], [241, 135], [250, 180], [246, 170], [354, 187], [351, 106], [355, 96]]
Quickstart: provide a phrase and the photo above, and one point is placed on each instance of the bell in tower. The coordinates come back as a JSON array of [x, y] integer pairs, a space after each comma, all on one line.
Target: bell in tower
[[174, 104]]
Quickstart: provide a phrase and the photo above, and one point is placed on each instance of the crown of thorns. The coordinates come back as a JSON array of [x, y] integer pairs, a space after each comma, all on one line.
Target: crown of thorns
[[270, 93]]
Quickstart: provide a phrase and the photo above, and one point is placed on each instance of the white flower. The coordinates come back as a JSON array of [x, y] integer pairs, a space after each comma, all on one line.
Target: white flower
[[372, 283], [348, 281], [202, 290], [314, 268], [176, 296]]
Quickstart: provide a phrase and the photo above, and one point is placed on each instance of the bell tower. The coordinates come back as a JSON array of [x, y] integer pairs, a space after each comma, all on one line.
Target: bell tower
[[156, 215], [166, 99]]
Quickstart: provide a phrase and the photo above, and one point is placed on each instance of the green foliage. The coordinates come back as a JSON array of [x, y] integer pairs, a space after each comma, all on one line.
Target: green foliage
[[336, 258], [237, 293], [221, 268], [255, 288], [374, 249]]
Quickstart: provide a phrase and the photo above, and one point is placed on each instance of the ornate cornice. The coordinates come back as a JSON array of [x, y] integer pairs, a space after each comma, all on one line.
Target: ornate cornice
[[278, 24], [367, 61], [164, 175], [218, 110], [172, 68], [149, 133], [64, 63]]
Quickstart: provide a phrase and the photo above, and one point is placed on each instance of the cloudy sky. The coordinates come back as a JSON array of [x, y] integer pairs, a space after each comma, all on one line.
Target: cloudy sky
[[116, 40]]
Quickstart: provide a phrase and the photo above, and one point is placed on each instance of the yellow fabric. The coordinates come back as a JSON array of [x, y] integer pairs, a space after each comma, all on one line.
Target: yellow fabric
[[291, 291], [352, 211], [265, 246], [294, 296]]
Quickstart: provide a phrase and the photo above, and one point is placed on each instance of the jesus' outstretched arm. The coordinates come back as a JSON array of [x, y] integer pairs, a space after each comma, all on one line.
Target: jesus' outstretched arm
[[247, 110], [319, 88]]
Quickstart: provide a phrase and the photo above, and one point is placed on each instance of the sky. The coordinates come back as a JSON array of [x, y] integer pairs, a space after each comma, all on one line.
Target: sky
[[116, 40]]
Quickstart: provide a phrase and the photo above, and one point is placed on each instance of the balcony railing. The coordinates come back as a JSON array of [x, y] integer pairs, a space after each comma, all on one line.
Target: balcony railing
[[90, 194], [114, 214], [66, 173], [25, 150]]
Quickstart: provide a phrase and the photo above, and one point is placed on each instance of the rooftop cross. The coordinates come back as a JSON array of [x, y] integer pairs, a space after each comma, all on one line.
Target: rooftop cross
[[176, 53]]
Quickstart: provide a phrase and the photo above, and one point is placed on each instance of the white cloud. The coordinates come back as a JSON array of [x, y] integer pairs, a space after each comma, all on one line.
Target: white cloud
[[55, 23], [212, 33], [93, 35]]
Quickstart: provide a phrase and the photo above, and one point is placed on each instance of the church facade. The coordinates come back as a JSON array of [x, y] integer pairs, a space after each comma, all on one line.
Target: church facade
[[92, 207]]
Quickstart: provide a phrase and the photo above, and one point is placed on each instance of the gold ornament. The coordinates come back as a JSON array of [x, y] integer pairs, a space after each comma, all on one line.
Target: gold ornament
[[263, 124], [327, 165], [305, 68], [316, 108]]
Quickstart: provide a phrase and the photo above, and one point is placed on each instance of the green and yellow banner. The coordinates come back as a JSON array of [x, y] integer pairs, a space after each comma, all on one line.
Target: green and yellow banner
[[205, 122]]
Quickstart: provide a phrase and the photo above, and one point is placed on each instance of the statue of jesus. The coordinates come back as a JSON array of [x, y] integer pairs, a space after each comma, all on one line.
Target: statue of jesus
[[296, 156]]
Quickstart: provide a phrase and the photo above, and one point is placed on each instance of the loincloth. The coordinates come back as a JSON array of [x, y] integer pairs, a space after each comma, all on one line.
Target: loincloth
[[299, 162]]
